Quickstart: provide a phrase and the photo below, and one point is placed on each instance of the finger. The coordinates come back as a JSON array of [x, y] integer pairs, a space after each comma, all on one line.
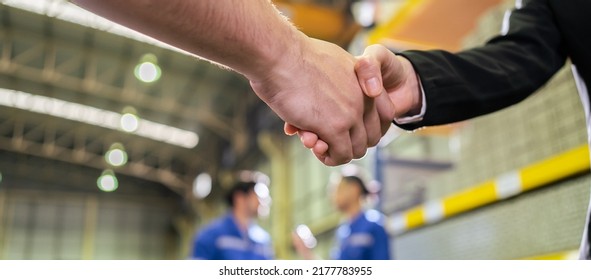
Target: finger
[[340, 149], [290, 129], [385, 107], [373, 126], [340, 154], [358, 140], [309, 139], [385, 127], [320, 149], [386, 111], [320, 155]]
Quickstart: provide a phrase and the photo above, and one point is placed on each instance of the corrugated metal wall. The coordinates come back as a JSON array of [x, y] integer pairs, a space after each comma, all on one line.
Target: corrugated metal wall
[[57, 225]]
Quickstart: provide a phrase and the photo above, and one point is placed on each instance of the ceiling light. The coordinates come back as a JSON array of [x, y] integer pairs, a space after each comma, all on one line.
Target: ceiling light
[[95, 116], [129, 122], [116, 156], [107, 182], [147, 69]]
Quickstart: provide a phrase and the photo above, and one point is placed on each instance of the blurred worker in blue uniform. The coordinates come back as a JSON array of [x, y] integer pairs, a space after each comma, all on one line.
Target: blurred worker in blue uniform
[[236, 236], [362, 236]]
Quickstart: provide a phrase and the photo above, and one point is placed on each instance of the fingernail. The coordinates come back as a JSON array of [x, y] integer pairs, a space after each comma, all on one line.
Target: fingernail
[[372, 85]]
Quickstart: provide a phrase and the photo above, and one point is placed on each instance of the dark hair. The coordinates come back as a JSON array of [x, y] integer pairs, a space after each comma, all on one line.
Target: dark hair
[[239, 187], [358, 182]]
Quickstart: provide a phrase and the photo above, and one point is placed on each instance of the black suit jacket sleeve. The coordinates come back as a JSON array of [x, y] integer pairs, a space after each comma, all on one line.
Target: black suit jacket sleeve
[[501, 73]]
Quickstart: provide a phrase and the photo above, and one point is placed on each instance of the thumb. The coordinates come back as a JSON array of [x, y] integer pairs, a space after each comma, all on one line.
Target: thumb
[[369, 75]]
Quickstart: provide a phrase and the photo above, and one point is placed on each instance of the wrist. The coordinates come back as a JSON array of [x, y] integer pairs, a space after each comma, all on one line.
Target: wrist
[[281, 69], [280, 58], [412, 88]]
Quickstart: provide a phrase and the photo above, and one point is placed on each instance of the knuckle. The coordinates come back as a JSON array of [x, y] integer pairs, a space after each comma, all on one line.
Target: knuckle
[[343, 124], [359, 153], [373, 141]]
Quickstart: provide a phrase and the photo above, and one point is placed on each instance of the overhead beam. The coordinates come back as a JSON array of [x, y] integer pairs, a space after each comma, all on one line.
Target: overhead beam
[[41, 139], [62, 75], [84, 158]]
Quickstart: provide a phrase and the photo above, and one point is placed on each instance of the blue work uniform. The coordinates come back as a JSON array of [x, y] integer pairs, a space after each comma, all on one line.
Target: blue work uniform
[[223, 240], [363, 238]]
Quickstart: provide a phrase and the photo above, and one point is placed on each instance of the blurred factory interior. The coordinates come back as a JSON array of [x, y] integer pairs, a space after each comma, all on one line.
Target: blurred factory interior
[[116, 146]]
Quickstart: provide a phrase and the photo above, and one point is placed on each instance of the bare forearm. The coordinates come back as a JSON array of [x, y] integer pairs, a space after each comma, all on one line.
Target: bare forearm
[[247, 36]]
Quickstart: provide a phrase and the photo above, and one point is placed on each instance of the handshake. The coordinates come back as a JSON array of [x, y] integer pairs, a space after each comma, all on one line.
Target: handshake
[[337, 104]]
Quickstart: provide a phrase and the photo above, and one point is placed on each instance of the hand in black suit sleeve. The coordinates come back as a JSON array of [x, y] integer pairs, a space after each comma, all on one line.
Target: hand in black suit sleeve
[[501, 73]]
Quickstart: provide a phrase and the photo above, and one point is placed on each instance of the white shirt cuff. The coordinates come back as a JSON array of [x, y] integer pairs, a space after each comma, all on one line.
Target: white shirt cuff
[[418, 117]]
